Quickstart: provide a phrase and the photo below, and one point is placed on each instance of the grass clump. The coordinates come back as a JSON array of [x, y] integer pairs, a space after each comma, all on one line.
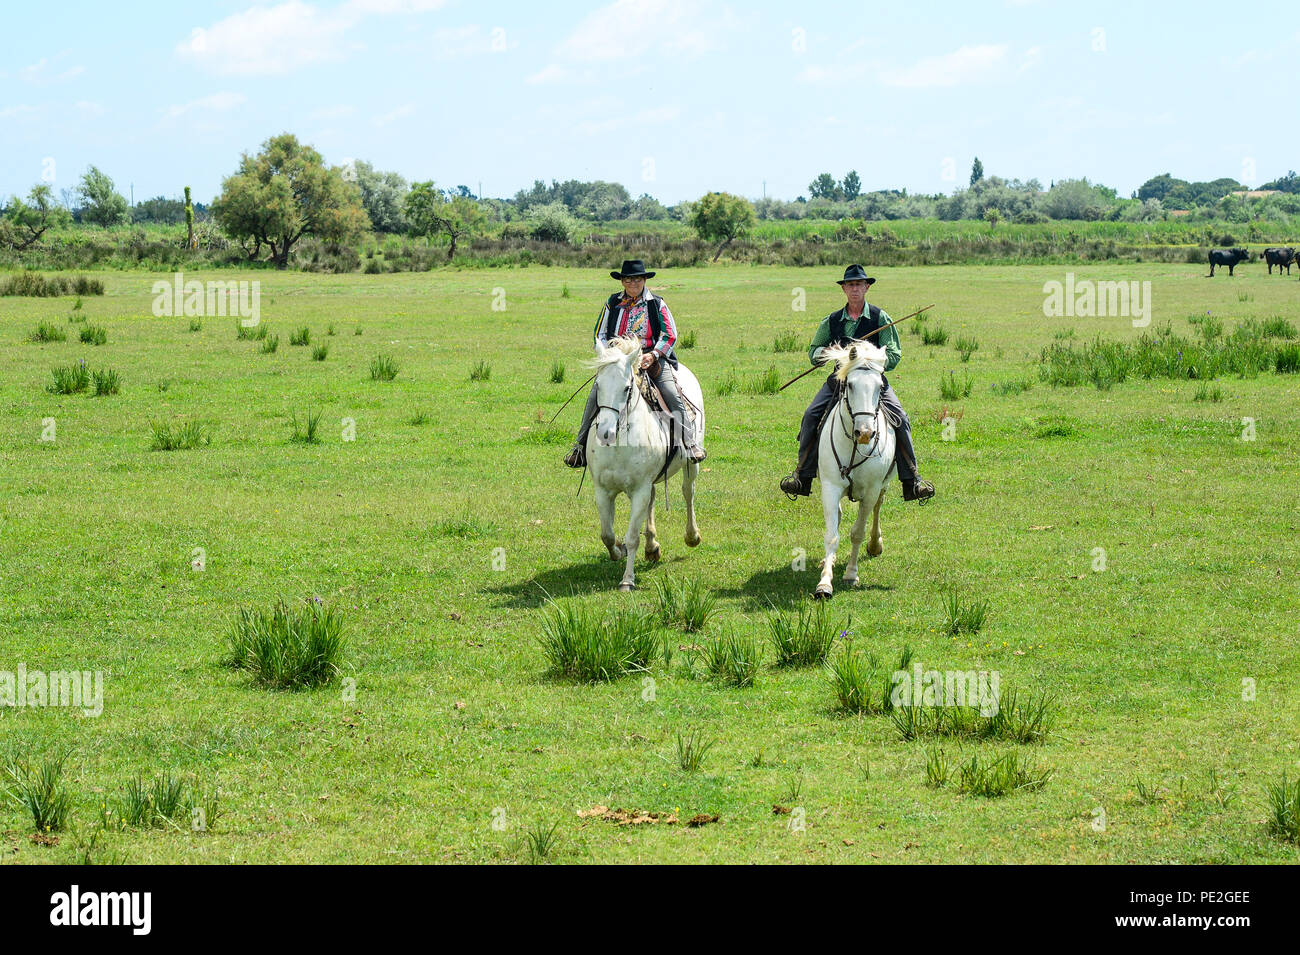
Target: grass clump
[[165, 802], [94, 335], [951, 389], [69, 380], [786, 342], [691, 750], [301, 337], [254, 333], [557, 372], [1282, 802], [964, 616], [985, 776], [48, 332], [319, 352], [688, 606], [734, 658], [582, 645], [184, 437], [937, 335], [803, 640], [107, 382], [305, 431], [383, 368], [768, 383], [270, 344], [288, 647], [40, 790], [481, 371]]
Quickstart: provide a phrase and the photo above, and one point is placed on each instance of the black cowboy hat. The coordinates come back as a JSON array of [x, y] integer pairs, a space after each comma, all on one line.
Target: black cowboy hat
[[632, 269], [856, 273]]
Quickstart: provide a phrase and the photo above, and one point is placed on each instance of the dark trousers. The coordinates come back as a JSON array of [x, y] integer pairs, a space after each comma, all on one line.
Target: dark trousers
[[810, 428]]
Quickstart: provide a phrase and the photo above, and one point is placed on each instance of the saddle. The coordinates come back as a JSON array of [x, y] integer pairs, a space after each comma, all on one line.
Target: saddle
[[650, 391]]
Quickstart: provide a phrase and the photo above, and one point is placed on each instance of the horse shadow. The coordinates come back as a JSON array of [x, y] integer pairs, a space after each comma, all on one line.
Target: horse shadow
[[782, 588], [596, 575]]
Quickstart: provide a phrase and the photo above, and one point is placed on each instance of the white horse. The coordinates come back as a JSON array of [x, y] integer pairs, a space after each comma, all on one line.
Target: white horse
[[627, 449], [855, 456]]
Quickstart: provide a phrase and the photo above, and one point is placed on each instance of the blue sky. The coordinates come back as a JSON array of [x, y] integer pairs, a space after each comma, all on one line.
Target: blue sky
[[670, 97]]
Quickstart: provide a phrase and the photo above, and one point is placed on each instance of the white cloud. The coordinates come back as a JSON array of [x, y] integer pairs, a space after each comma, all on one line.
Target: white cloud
[[217, 102], [970, 64], [833, 74], [22, 109], [285, 37], [394, 115], [676, 26]]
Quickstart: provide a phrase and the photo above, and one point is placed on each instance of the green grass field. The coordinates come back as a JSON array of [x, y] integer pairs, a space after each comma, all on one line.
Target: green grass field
[[456, 744]]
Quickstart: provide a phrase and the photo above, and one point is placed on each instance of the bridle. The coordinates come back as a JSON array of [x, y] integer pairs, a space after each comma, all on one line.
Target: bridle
[[846, 469], [632, 393]]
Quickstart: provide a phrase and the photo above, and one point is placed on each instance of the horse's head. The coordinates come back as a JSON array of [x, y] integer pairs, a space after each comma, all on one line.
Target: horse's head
[[861, 372], [616, 375]]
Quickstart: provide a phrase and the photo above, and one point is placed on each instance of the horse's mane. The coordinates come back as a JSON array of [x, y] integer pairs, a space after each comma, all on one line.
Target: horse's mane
[[861, 355], [615, 352]]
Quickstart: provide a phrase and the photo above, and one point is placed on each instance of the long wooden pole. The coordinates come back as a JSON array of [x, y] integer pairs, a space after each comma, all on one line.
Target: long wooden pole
[[862, 339]]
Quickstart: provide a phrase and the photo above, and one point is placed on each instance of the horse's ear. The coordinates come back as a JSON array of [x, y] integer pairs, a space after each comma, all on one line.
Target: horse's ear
[[853, 353]]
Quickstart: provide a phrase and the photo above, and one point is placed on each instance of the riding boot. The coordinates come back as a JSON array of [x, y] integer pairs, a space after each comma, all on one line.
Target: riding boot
[[799, 483], [577, 457]]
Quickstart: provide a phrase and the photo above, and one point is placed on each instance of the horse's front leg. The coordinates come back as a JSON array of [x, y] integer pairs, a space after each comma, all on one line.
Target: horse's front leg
[[640, 507], [857, 535], [831, 509], [651, 533], [689, 473], [877, 545], [605, 508]]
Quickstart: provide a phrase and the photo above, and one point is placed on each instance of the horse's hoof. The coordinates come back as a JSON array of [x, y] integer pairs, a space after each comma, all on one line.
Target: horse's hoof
[[850, 581], [695, 542], [820, 594], [626, 588], [652, 555]]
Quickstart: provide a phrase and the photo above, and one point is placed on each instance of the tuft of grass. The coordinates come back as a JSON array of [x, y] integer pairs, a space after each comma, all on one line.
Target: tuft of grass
[[937, 768], [94, 335], [418, 419], [48, 332], [557, 372], [688, 606], [270, 344], [964, 616], [768, 383], [1205, 393], [541, 840], [728, 384], [106, 382], [1287, 360], [255, 333], [806, 639], [966, 346], [734, 658], [1282, 803], [994, 778], [691, 750], [196, 325], [1015, 386], [786, 341], [301, 337], [69, 380], [481, 371], [938, 335], [185, 437], [1014, 719], [564, 291], [41, 791], [951, 389], [304, 432], [383, 368], [288, 647], [330, 329], [590, 648], [853, 677], [319, 352], [688, 340]]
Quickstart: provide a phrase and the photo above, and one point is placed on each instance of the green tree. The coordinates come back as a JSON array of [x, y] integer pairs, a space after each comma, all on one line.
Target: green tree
[[286, 192], [431, 213], [30, 220], [552, 222], [723, 218], [852, 186], [992, 216], [383, 195], [101, 203], [823, 187], [976, 171]]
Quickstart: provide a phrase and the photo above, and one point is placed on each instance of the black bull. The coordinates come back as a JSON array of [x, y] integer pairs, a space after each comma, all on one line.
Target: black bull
[[1282, 258], [1227, 258]]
